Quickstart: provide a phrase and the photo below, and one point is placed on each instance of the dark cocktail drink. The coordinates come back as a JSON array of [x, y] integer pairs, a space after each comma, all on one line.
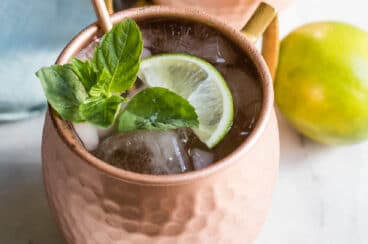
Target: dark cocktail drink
[[178, 150]]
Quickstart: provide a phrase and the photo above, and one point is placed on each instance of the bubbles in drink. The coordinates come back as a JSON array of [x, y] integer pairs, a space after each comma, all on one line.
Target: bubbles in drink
[[201, 158], [180, 151]]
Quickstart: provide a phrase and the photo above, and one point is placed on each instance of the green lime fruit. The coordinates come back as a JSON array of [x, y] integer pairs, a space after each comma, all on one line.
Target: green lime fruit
[[201, 83], [321, 85]]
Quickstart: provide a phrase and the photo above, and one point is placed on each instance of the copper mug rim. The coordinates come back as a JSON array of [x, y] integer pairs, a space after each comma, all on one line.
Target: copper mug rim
[[85, 36]]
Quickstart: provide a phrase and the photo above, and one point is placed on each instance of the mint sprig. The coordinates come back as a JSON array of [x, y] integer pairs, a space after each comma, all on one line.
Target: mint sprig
[[87, 90]]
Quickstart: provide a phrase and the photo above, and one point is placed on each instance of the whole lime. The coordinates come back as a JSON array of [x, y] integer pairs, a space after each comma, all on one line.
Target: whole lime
[[321, 84]]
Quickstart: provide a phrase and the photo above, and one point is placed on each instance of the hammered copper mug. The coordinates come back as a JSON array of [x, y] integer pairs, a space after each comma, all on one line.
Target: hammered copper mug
[[227, 202]]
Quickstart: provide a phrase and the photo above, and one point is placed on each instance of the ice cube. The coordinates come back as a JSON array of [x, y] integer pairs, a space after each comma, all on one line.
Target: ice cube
[[217, 50], [87, 52], [88, 134], [105, 132], [247, 98], [191, 38], [147, 152], [184, 134], [199, 153], [146, 53], [201, 158]]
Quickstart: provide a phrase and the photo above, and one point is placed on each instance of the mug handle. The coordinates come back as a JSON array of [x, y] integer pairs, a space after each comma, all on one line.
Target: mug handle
[[259, 21], [271, 46], [264, 22]]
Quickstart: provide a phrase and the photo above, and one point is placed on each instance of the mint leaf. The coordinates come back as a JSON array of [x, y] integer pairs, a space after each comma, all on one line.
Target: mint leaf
[[85, 72], [157, 108], [119, 54], [101, 88], [63, 90], [101, 111]]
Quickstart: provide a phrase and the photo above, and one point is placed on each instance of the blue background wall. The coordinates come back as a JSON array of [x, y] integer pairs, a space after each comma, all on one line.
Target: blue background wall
[[32, 35]]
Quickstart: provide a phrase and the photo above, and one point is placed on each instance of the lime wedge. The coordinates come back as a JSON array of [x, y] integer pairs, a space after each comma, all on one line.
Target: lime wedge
[[201, 83]]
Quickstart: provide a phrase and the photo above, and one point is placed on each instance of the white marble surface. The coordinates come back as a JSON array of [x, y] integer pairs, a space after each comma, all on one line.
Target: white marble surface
[[321, 196]]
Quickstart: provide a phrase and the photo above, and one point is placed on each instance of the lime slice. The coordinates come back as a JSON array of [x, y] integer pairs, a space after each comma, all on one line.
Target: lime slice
[[198, 81]]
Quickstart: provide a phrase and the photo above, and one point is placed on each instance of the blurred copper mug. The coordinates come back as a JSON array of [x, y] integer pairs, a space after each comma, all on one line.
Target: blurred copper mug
[[234, 12], [227, 202]]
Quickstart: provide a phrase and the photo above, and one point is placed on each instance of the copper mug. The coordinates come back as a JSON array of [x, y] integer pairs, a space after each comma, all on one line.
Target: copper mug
[[227, 202]]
